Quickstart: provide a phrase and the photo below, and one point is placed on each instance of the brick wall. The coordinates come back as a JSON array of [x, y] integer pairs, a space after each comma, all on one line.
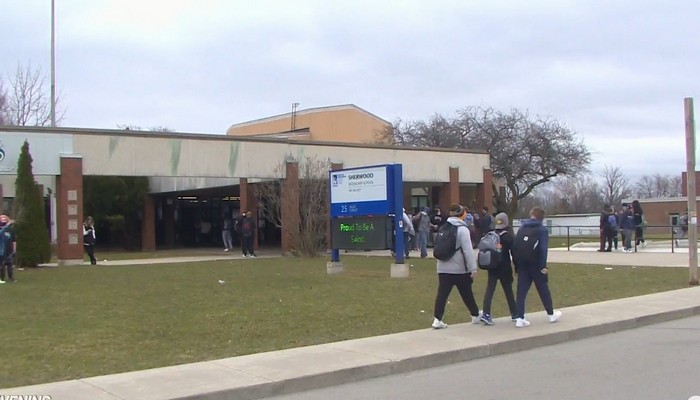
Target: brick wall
[[659, 212]]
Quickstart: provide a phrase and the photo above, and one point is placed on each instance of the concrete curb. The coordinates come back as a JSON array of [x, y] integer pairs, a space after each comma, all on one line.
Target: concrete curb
[[267, 374]]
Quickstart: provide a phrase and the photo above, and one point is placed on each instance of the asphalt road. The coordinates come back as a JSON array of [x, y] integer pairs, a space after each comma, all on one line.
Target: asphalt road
[[655, 362]]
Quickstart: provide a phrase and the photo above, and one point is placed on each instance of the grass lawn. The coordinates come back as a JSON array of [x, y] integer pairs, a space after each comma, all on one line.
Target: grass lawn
[[72, 322]]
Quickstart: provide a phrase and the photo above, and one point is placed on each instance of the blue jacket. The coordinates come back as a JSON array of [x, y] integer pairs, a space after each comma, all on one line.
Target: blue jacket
[[543, 247], [627, 221]]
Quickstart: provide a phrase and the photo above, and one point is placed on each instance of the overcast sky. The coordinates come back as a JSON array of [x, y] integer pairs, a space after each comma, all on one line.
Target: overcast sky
[[615, 71]]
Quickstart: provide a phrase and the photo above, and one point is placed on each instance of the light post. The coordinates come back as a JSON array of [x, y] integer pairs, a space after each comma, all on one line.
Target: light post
[[53, 64]]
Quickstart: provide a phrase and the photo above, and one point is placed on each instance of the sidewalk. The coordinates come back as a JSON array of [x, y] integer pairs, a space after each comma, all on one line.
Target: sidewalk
[[293, 370]]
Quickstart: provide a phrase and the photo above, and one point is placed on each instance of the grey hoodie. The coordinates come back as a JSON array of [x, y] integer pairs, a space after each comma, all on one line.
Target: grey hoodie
[[463, 261]]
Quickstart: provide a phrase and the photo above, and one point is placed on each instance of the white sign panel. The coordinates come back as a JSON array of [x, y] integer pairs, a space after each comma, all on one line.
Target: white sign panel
[[357, 185], [45, 149]]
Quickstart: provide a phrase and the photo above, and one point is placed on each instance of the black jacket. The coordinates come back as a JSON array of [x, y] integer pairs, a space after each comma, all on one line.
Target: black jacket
[[505, 266]]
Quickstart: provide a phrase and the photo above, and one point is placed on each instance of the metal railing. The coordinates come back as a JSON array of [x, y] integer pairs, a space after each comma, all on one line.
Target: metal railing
[[591, 234]]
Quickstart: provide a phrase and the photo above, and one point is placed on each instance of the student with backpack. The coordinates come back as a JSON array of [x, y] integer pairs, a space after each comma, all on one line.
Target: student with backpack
[[530, 258], [456, 265], [499, 268]]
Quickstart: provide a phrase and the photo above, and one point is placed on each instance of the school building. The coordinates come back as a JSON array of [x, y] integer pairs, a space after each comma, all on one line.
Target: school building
[[196, 179]]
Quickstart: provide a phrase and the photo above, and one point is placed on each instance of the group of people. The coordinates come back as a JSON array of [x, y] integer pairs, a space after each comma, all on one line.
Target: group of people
[[245, 228], [627, 223], [421, 227], [526, 252]]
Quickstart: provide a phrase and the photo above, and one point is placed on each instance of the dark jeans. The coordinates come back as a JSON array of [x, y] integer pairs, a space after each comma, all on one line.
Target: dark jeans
[[247, 245], [90, 250], [638, 236], [6, 267], [526, 276], [464, 286], [407, 243], [507, 285], [609, 236]]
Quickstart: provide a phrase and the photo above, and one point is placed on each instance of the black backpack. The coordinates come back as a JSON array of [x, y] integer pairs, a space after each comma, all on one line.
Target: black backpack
[[526, 244], [445, 242]]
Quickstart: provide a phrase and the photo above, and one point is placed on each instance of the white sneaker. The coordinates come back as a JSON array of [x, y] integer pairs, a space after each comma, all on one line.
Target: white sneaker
[[644, 244], [437, 324], [521, 323], [476, 320], [225, 249], [2, 281], [554, 317]]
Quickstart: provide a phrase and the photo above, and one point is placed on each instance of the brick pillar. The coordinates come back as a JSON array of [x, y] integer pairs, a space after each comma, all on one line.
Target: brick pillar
[[334, 167], [148, 224], [290, 206], [69, 213], [484, 191], [406, 197], [169, 221], [449, 192], [249, 203]]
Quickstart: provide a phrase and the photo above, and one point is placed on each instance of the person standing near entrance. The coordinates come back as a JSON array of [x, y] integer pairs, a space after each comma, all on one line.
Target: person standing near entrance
[[408, 233], [226, 233], [424, 227], [8, 248], [530, 257], [247, 235], [89, 239]]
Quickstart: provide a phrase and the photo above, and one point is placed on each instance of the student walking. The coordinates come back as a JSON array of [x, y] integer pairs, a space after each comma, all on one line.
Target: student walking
[[458, 270], [89, 239], [530, 257], [504, 273]]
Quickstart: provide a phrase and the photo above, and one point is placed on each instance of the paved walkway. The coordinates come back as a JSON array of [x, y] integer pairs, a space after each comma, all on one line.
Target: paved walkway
[[266, 374]]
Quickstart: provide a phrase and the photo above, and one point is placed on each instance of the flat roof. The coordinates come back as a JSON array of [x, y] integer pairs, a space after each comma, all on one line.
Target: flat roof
[[209, 136]]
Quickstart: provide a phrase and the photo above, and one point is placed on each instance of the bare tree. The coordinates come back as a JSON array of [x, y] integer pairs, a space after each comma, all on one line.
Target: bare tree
[[644, 188], [675, 186], [3, 105], [309, 238], [27, 101], [578, 194], [616, 186], [525, 153], [658, 186]]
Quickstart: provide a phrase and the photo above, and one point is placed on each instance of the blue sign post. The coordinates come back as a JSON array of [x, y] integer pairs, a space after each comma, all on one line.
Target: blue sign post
[[362, 199]]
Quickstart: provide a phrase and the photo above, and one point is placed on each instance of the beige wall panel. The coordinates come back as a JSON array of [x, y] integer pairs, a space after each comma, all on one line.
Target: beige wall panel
[[182, 156]]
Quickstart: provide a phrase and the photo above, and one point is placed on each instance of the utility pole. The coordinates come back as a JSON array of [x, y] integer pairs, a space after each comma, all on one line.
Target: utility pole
[[53, 64], [692, 205]]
